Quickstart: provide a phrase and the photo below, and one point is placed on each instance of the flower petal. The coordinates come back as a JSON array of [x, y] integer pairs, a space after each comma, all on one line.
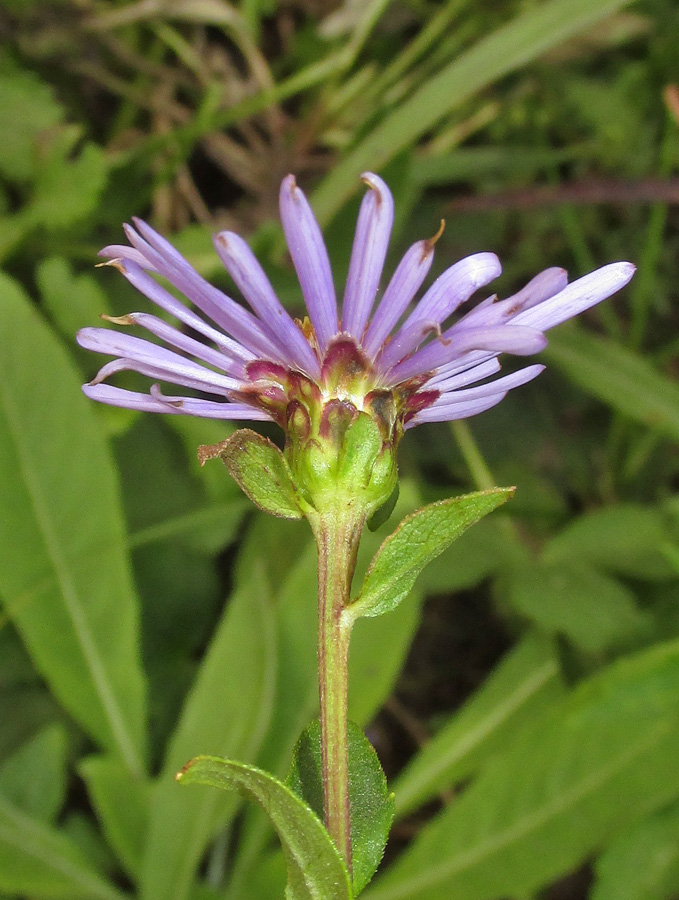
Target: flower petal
[[404, 284], [171, 365], [310, 258], [114, 252], [369, 251], [504, 384], [543, 286], [189, 406], [243, 266], [225, 312], [519, 340], [468, 375], [450, 289], [181, 341], [464, 410], [577, 297], [167, 301]]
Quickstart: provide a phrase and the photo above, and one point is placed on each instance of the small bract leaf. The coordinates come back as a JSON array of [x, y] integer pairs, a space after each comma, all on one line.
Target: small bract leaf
[[382, 515], [419, 538], [260, 469], [372, 805], [315, 868]]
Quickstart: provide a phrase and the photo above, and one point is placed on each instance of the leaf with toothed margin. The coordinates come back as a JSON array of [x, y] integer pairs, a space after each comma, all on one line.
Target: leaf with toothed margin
[[419, 539], [260, 469], [372, 804], [315, 868]]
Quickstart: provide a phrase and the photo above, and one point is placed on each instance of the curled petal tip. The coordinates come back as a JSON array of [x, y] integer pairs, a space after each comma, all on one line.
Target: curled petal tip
[[129, 319], [375, 183], [432, 241], [484, 267], [115, 263]]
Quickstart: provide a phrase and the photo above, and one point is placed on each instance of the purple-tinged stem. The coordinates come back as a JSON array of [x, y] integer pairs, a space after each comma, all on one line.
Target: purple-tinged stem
[[337, 531]]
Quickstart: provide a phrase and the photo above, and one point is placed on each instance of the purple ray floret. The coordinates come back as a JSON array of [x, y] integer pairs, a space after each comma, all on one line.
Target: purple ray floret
[[247, 363]]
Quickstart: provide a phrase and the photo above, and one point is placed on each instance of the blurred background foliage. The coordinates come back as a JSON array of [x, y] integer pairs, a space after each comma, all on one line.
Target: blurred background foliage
[[149, 614]]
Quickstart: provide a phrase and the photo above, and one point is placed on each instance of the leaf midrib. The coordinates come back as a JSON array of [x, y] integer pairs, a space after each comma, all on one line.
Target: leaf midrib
[[435, 875], [35, 847], [69, 592]]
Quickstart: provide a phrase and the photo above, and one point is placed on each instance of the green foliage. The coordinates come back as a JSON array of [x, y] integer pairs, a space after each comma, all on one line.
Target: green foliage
[[643, 862], [315, 868], [260, 469], [34, 777], [372, 805], [418, 539], [39, 860], [122, 806], [597, 761], [628, 383], [65, 574], [523, 687], [227, 711]]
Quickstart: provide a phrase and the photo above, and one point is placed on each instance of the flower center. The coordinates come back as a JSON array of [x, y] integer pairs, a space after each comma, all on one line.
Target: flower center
[[348, 384]]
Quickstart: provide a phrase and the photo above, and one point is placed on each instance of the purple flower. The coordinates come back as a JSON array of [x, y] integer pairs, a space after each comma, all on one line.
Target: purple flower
[[263, 364]]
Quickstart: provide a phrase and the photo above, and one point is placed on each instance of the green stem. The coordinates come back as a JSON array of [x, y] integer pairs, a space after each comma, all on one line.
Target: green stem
[[337, 531]]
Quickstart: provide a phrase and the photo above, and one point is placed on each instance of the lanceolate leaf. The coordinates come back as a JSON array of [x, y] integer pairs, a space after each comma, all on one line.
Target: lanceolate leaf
[[260, 469], [35, 777], [624, 380], [64, 575], [37, 860], [419, 538], [372, 805], [315, 868], [643, 863], [526, 682], [122, 806], [604, 757], [227, 711]]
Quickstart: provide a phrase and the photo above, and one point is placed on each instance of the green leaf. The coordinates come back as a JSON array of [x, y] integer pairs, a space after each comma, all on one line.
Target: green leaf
[[227, 711], [260, 469], [73, 301], [603, 757], [419, 538], [37, 860], [372, 805], [526, 682], [163, 500], [316, 870], [475, 556], [508, 48], [381, 516], [594, 611], [626, 381], [122, 807], [67, 189], [28, 109], [626, 539], [379, 648], [34, 778], [64, 573], [642, 863]]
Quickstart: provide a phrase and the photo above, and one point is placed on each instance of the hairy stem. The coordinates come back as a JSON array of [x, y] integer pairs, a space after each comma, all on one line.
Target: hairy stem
[[337, 531]]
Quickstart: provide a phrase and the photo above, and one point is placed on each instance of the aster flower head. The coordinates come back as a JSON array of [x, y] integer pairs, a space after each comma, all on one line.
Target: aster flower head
[[396, 362]]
